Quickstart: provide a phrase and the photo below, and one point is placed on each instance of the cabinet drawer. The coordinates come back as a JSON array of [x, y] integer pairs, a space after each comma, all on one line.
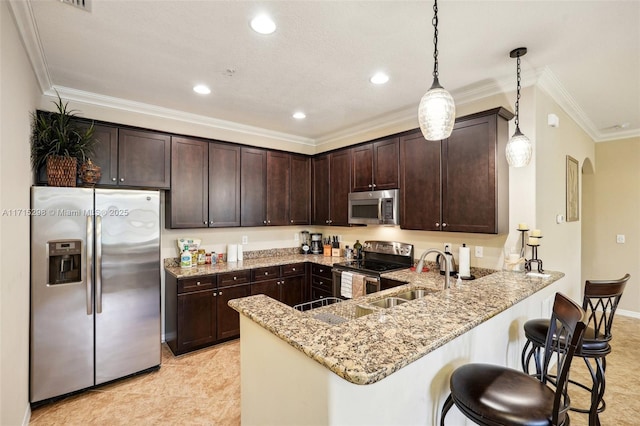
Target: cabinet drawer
[[187, 285], [235, 277], [293, 269], [321, 270], [321, 283], [266, 273]]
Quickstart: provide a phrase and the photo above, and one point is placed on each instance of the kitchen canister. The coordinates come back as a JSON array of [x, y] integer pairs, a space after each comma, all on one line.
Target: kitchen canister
[[232, 253]]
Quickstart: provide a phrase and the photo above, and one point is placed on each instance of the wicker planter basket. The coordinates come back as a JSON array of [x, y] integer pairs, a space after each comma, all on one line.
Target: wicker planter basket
[[61, 171], [90, 173]]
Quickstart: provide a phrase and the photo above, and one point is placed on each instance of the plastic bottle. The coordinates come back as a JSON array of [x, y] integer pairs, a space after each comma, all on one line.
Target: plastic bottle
[[357, 250], [185, 258]]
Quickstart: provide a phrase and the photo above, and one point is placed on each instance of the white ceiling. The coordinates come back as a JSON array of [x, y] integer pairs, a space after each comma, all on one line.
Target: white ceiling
[[149, 54]]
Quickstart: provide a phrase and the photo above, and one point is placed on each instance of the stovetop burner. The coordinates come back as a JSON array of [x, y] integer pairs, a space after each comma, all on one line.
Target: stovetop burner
[[370, 266]]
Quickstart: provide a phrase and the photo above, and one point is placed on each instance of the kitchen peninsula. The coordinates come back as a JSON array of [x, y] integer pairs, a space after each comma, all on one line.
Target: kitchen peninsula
[[390, 366]]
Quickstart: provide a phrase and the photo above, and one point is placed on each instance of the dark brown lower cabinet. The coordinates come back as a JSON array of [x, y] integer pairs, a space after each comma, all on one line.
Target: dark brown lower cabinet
[[288, 286], [321, 282], [197, 313]]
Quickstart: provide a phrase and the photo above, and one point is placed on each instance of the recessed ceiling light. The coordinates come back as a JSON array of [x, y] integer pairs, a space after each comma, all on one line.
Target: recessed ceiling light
[[299, 115], [263, 24], [379, 78], [201, 89]]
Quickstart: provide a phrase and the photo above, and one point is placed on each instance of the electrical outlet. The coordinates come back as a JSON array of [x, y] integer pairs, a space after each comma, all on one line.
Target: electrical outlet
[[620, 238], [447, 247], [245, 239], [479, 251], [339, 238], [296, 236]]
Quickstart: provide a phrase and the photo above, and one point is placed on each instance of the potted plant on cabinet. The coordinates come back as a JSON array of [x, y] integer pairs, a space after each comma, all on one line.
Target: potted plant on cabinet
[[58, 142]]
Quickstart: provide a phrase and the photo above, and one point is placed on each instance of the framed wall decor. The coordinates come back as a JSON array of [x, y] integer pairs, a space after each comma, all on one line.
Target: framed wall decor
[[573, 200]]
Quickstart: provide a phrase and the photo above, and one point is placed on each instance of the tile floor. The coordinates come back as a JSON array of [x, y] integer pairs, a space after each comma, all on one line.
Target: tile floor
[[203, 388]]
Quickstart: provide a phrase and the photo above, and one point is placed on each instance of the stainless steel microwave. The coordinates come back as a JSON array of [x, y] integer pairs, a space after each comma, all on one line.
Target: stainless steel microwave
[[374, 207]]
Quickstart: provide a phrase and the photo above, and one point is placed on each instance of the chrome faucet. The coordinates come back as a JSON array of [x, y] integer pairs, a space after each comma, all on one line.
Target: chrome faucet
[[447, 265]]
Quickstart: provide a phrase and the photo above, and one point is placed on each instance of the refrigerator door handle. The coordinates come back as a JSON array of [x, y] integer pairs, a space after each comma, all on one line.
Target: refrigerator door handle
[[98, 264], [89, 265]]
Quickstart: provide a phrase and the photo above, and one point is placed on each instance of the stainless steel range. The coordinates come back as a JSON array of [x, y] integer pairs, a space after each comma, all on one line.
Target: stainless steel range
[[379, 257]]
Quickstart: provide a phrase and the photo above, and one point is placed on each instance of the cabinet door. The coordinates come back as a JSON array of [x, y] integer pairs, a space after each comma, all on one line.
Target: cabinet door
[[292, 290], [224, 185], [320, 193], [385, 164], [253, 188], [278, 187], [105, 154], [420, 189], [362, 168], [300, 190], [187, 204], [340, 185], [469, 198], [270, 288], [228, 319], [196, 319], [144, 159]]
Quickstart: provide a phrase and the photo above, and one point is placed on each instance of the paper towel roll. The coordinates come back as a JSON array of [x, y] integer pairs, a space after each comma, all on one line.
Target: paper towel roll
[[464, 256], [232, 253], [239, 251]]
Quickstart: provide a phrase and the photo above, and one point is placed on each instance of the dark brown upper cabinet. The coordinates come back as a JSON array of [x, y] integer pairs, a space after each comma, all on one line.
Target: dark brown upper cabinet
[[300, 190], [331, 187], [278, 188], [374, 166], [143, 160], [460, 184], [253, 187], [205, 182]]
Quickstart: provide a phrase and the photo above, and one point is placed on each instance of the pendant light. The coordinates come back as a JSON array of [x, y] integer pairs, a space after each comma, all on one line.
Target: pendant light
[[519, 147], [437, 111]]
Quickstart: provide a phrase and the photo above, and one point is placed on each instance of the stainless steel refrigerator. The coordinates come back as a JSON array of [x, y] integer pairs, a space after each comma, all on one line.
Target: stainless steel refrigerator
[[95, 287]]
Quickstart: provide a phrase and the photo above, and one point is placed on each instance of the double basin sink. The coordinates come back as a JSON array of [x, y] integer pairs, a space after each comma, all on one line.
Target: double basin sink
[[391, 301]]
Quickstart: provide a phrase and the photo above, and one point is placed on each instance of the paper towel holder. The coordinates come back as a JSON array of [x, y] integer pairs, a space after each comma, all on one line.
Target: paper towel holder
[[460, 261]]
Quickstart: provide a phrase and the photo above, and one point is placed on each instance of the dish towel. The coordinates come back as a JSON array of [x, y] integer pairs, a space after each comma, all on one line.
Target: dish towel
[[346, 280], [357, 285]]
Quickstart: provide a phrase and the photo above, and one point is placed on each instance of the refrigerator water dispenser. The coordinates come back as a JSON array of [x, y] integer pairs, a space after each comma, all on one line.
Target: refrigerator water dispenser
[[64, 261]]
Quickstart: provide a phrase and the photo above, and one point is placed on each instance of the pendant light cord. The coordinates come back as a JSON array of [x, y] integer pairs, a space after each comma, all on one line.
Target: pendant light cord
[[518, 95], [434, 21]]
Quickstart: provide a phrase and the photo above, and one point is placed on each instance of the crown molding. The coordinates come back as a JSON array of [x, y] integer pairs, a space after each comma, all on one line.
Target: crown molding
[[172, 114], [26, 24]]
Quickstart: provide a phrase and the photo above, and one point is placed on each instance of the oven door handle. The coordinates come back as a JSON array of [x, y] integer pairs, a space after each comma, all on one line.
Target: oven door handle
[[372, 280]]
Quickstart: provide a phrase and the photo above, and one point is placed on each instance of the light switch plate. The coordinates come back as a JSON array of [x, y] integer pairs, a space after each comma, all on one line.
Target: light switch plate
[[479, 251], [620, 238], [245, 239]]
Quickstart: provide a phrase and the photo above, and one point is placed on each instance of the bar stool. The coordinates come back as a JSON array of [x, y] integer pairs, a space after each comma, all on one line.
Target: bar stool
[[600, 303], [494, 395]]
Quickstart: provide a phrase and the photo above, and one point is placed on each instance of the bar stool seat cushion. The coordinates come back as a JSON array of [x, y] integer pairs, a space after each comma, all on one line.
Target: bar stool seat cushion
[[501, 395], [535, 330]]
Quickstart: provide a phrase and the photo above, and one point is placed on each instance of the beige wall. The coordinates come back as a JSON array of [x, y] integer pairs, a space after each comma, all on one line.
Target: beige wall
[[611, 206], [19, 95]]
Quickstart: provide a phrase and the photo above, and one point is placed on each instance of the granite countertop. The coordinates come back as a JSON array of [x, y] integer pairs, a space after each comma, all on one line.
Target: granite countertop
[[172, 266], [366, 349]]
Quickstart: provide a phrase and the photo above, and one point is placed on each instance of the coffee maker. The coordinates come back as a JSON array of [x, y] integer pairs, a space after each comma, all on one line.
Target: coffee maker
[[305, 248], [316, 244]]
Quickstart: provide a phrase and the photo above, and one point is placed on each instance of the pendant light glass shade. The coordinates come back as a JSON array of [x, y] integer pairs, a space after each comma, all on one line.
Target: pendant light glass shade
[[436, 113], [519, 147], [519, 150]]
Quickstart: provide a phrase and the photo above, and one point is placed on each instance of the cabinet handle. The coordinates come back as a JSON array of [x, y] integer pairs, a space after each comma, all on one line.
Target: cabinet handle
[[293, 269], [215, 294], [444, 225], [206, 223], [264, 222], [268, 221], [370, 186], [437, 224], [291, 220], [374, 185], [198, 283], [266, 273], [121, 179], [113, 179], [220, 294]]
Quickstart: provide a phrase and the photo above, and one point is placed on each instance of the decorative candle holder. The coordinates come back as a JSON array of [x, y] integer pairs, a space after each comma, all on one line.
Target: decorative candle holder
[[523, 231], [534, 258]]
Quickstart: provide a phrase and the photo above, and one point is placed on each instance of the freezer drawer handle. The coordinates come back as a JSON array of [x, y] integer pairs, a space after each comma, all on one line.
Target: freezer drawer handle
[[89, 264], [98, 264]]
